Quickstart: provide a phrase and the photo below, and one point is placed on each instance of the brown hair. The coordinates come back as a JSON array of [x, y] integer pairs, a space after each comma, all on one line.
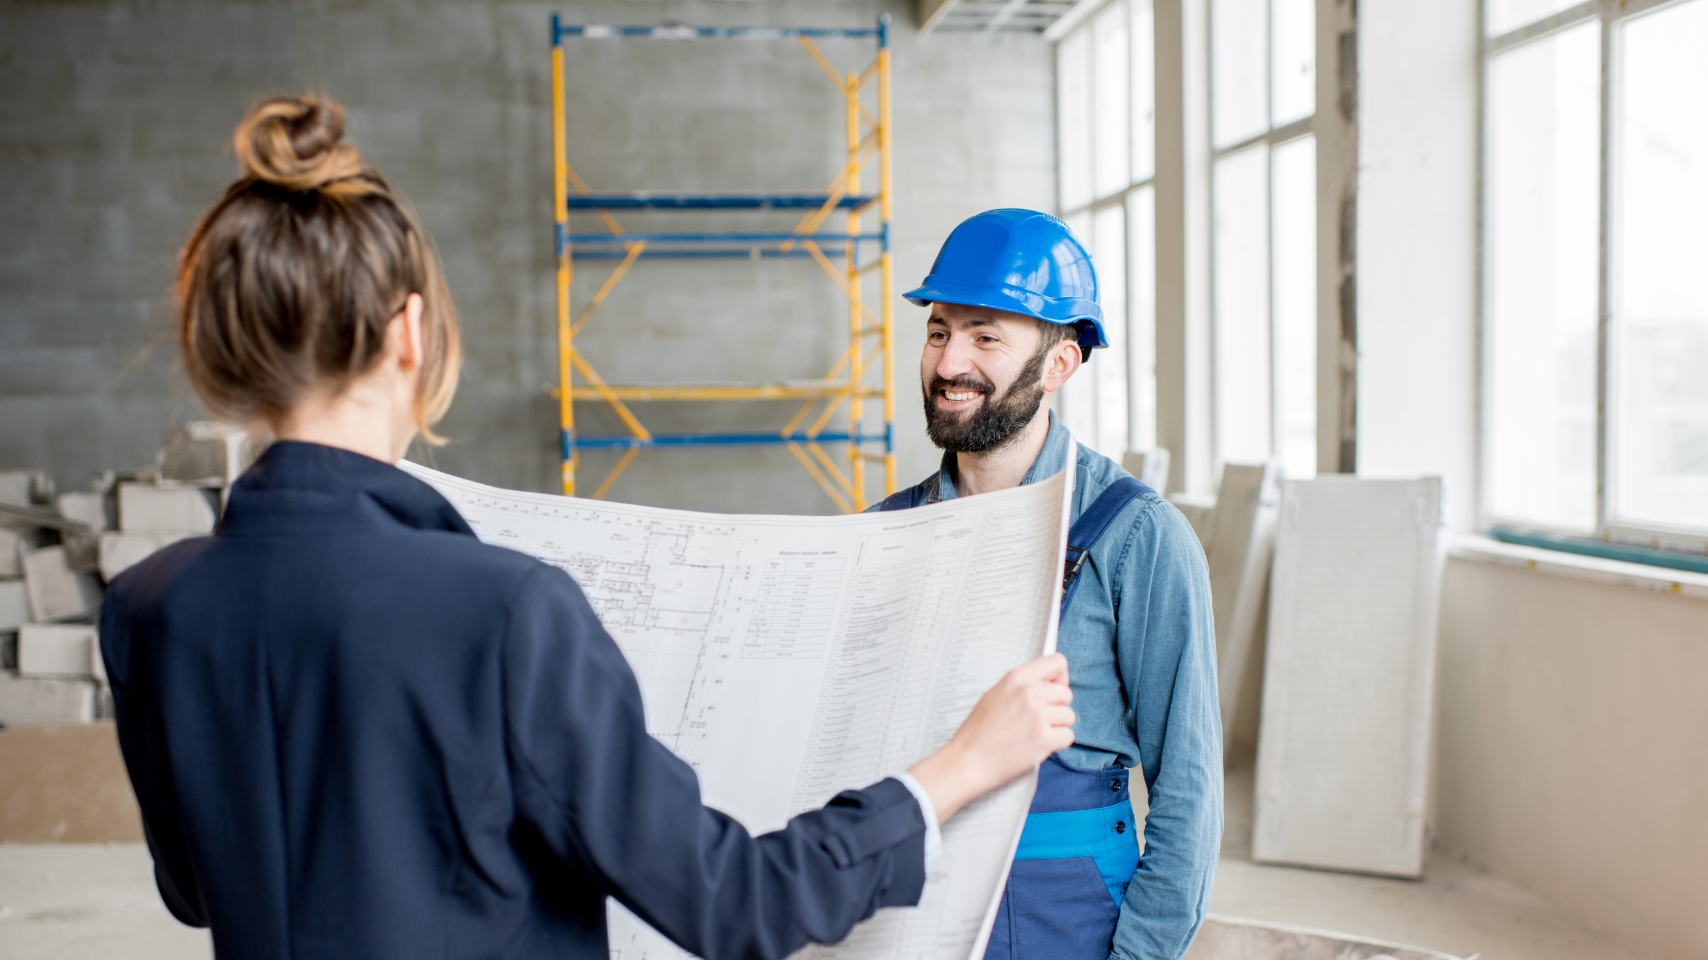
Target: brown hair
[[289, 282]]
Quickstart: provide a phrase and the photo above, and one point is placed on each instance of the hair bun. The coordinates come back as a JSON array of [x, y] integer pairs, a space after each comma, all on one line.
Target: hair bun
[[297, 143]]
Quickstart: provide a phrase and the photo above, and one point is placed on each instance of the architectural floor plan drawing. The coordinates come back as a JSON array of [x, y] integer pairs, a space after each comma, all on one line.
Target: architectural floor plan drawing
[[789, 658]]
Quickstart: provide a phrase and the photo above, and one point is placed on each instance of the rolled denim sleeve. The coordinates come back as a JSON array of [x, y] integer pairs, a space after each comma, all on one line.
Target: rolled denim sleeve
[[1166, 651]]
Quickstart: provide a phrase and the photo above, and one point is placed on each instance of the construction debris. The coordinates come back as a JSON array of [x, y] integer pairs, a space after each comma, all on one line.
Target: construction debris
[[151, 508], [56, 591], [207, 454], [58, 552], [14, 605], [66, 650], [121, 551], [26, 488]]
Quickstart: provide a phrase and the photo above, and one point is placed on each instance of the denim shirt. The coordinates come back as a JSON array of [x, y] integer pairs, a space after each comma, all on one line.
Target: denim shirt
[[1141, 652]]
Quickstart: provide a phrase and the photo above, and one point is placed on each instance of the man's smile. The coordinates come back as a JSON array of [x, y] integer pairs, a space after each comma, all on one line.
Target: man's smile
[[957, 399]]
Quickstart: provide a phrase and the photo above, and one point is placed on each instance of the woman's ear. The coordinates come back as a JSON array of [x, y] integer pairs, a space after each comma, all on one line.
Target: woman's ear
[[403, 334]]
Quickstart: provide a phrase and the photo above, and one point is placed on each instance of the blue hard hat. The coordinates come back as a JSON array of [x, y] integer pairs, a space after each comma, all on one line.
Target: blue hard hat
[[1021, 261]]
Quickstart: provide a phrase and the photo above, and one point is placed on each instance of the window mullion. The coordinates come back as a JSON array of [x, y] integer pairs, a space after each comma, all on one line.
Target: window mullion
[[1603, 472]]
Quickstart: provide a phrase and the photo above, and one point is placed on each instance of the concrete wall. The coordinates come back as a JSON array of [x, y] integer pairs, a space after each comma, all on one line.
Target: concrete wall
[[114, 120], [1574, 747]]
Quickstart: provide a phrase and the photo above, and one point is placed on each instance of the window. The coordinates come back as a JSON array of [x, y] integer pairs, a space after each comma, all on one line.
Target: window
[[1595, 292], [1106, 132], [1263, 233]]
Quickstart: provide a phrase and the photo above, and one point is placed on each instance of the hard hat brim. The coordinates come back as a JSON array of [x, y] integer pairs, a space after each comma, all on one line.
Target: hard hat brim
[[1019, 300]]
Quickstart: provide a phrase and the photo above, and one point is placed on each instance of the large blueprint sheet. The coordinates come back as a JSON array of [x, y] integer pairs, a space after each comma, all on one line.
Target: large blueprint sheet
[[789, 658]]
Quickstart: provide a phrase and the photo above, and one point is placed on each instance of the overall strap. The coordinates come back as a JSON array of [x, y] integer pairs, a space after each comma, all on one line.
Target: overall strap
[[1088, 529]]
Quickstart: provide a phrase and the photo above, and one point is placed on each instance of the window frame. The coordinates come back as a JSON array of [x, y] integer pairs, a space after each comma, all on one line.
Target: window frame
[[1623, 540]]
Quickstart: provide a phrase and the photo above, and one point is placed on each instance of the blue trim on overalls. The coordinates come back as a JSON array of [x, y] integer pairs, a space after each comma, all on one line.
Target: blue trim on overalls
[[1079, 847], [1057, 829]]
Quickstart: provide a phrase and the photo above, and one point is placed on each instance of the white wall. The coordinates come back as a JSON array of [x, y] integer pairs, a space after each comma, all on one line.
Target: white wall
[[1574, 747], [1416, 257]]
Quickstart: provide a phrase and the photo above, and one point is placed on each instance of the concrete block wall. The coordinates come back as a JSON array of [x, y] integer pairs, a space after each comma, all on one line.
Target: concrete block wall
[[114, 123]]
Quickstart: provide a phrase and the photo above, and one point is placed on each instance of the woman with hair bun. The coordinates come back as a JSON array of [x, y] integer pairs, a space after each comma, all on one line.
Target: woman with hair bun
[[356, 731]]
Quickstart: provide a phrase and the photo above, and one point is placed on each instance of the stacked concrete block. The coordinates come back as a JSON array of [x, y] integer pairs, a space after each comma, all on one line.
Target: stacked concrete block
[[206, 453], [26, 488], [15, 541], [120, 551], [56, 590], [151, 516], [59, 650], [14, 605], [51, 549], [150, 508], [34, 700]]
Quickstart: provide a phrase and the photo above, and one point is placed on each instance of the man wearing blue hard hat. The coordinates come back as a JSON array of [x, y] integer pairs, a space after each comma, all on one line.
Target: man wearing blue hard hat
[[1014, 314]]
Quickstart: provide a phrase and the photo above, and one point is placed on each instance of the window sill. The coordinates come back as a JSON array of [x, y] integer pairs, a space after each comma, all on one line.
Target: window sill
[[1642, 576]]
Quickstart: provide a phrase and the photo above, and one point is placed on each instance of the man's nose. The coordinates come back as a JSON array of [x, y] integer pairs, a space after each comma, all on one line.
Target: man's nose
[[956, 358]]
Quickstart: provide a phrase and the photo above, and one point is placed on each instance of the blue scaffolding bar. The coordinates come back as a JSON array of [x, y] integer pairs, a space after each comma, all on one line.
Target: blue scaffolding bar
[[598, 31], [645, 200], [619, 441], [728, 253]]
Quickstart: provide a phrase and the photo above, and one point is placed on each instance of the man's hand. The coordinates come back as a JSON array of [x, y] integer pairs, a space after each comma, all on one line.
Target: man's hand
[[1015, 726]]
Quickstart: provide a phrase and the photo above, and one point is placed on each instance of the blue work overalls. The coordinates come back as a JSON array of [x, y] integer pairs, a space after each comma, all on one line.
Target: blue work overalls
[[1079, 847]]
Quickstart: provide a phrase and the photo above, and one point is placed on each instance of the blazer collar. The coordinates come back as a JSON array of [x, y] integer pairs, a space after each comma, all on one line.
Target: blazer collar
[[312, 487]]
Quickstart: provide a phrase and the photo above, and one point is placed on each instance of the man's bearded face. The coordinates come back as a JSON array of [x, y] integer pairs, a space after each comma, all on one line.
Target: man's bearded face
[[992, 422]]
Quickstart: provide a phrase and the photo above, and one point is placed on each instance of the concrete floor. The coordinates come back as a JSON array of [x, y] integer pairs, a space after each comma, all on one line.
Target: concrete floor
[[97, 901], [1455, 909]]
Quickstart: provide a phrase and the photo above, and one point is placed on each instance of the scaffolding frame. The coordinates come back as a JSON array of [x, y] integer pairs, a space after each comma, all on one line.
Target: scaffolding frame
[[864, 371]]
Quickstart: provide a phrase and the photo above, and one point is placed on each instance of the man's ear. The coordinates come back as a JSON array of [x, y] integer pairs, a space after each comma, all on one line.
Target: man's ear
[[1063, 362]]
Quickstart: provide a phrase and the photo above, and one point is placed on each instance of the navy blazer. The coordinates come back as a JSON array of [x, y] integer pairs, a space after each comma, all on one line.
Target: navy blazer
[[357, 731]]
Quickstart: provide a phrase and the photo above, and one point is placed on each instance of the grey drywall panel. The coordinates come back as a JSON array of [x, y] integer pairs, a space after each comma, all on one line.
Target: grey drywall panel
[[1344, 752]]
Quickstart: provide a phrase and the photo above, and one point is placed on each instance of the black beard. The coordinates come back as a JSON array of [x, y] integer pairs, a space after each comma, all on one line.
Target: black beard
[[996, 421]]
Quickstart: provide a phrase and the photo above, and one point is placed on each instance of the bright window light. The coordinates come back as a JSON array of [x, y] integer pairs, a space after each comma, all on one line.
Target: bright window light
[[1508, 15], [1293, 62], [1542, 240], [1112, 92], [1239, 70], [1240, 186], [1073, 119], [1295, 260], [1142, 32], [1658, 270], [1141, 314], [1109, 366]]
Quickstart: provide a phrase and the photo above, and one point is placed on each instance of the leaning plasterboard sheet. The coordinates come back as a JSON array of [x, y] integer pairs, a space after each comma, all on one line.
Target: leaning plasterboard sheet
[[1238, 555], [789, 658], [1343, 757]]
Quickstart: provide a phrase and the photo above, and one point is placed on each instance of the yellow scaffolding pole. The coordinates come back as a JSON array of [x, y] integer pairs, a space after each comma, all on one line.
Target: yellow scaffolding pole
[[565, 269]]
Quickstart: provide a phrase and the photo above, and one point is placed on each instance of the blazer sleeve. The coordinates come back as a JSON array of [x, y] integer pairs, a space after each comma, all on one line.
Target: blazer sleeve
[[610, 802], [139, 744]]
